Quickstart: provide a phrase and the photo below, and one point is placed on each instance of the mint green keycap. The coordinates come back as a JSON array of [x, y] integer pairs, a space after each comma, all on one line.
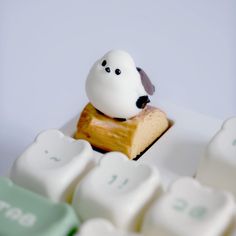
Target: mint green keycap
[[24, 213]]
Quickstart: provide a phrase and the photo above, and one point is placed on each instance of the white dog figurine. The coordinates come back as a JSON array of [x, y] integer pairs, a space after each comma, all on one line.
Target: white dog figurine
[[116, 87]]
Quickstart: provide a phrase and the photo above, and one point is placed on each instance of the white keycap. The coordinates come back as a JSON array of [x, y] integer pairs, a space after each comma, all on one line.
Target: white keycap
[[102, 227], [189, 209], [118, 189], [218, 166], [53, 165]]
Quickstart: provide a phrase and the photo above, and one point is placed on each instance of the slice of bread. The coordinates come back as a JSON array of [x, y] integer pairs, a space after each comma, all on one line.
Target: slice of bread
[[131, 137]]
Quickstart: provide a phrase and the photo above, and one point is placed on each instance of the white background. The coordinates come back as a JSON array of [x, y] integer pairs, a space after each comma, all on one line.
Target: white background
[[187, 47]]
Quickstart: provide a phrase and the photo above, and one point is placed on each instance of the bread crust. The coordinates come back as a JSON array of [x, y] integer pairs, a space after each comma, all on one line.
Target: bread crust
[[131, 137]]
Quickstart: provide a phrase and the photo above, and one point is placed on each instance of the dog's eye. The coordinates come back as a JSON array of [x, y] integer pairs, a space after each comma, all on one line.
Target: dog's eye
[[118, 71], [104, 62]]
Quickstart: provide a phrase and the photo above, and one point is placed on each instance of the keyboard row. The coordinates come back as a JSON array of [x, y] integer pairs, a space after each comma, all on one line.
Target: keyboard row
[[128, 194]]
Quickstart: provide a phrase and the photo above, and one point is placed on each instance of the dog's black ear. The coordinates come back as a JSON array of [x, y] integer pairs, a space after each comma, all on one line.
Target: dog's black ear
[[147, 84]]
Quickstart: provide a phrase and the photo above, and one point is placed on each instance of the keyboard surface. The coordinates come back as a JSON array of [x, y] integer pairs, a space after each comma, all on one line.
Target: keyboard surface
[[155, 195], [179, 150]]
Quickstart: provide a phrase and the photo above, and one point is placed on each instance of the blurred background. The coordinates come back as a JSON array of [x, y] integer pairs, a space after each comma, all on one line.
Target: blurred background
[[188, 49]]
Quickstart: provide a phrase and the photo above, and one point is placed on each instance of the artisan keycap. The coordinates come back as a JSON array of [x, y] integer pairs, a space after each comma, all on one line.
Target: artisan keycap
[[189, 209], [53, 165], [24, 213], [118, 189], [102, 227], [218, 166]]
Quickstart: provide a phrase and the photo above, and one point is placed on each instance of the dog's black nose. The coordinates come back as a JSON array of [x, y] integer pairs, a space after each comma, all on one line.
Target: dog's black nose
[[142, 102], [107, 69]]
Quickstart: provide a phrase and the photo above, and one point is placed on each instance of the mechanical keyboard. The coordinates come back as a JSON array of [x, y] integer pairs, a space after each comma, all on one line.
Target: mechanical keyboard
[[182, 185]]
